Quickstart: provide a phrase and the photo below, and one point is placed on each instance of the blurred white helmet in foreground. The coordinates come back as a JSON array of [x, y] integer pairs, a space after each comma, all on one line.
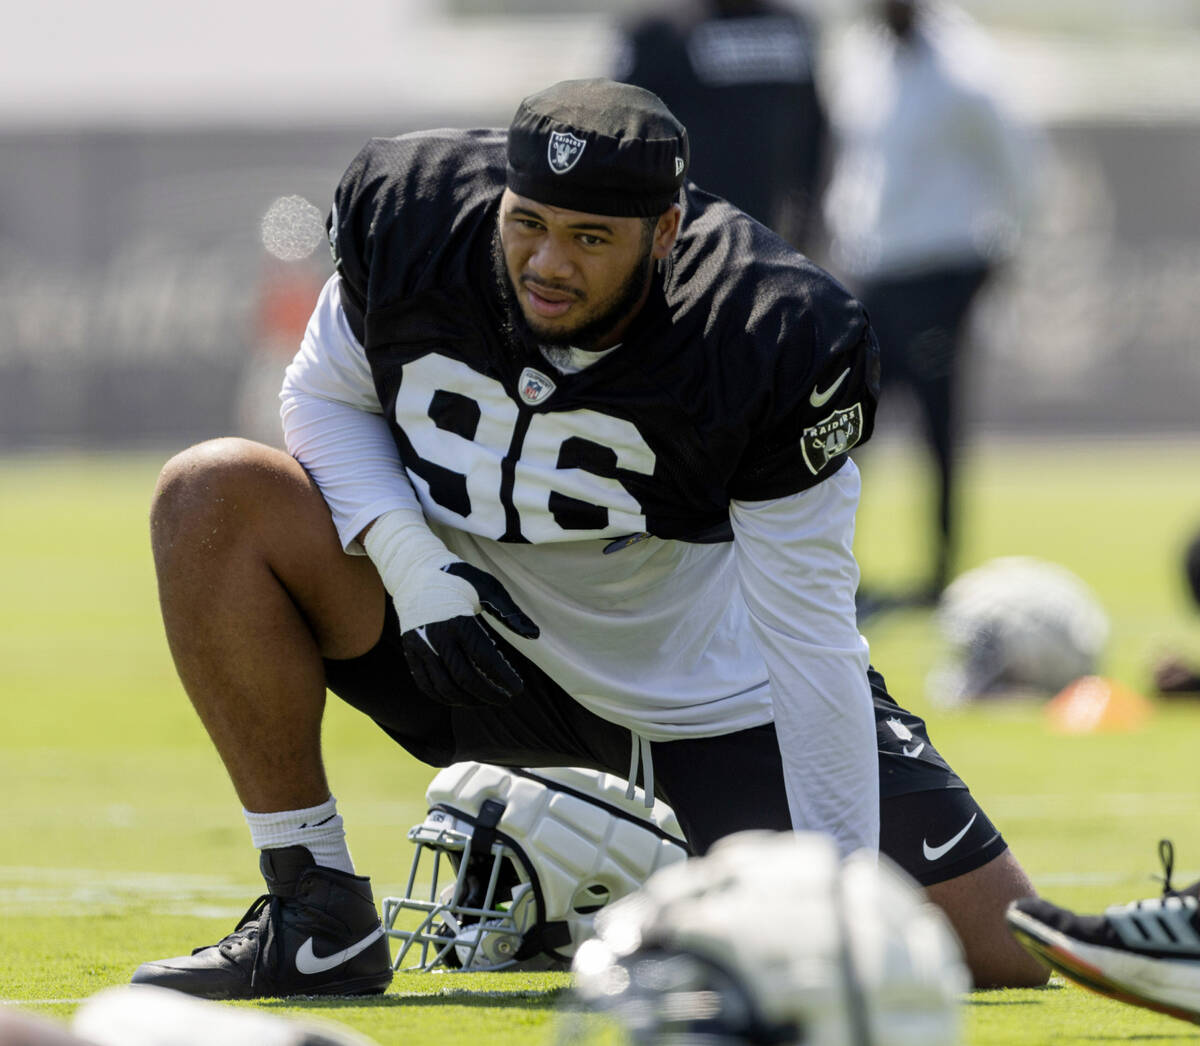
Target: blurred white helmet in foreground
[[1017, 624], [771, 939]]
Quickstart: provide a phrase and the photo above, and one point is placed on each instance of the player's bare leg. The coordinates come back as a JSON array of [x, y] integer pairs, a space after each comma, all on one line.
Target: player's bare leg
[[976, 903], [255, 589]]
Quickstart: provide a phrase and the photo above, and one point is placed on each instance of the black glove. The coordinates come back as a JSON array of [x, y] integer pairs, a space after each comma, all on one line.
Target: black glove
[[455, 660]]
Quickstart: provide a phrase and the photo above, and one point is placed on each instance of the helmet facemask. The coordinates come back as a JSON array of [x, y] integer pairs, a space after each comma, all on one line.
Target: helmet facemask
[[667, 995], [482, 897]]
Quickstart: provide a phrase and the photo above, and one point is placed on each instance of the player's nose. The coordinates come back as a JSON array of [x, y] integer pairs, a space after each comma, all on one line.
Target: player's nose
[[551, 260]]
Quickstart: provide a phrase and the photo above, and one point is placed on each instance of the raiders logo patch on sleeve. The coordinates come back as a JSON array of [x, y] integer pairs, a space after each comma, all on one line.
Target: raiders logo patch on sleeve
[[831, 436]]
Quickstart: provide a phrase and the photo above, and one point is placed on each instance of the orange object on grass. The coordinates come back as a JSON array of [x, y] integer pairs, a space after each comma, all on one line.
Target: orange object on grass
[[1094, 703]]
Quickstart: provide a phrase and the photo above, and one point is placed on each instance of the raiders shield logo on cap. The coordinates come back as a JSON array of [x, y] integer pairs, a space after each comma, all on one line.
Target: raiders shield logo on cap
[[831, 436], [564, 151]]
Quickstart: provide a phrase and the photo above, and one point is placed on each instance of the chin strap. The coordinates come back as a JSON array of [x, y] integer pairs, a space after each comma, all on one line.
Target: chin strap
[[640, 753], [544, 938], [490, 812]]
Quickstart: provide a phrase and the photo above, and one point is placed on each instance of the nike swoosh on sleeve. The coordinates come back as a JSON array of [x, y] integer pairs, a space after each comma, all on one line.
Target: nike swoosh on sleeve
[[819, 399], [932, 853], [308, 963]]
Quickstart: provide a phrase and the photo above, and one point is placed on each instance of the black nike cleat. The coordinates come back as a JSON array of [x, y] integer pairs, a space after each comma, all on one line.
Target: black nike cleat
[[1146, 953], [316, 932]]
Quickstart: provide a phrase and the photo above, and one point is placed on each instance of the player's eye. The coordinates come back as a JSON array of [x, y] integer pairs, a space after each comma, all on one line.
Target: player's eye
[[588, 240]]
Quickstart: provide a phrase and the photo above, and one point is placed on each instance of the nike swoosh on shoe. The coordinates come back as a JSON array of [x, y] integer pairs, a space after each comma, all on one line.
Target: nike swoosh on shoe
[[309, 963]]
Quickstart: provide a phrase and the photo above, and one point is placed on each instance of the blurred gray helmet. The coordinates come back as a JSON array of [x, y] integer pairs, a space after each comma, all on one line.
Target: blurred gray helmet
[[1017, 624], [771, 939], [512, 865]]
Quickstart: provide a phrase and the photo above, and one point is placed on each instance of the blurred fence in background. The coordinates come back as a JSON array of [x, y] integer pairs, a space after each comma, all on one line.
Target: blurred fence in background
[[157, 255]]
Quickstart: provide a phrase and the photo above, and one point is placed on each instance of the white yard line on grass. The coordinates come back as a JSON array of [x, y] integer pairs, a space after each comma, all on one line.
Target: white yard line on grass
[[29, 889], [448, 994], [1097, 804]]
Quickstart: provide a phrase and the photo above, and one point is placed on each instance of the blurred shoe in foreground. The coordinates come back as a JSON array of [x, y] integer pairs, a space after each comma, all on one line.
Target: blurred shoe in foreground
[[1146, 953], [142, 1015]]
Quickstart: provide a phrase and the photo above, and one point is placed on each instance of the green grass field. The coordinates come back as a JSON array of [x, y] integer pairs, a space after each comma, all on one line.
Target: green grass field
[[121, 839]]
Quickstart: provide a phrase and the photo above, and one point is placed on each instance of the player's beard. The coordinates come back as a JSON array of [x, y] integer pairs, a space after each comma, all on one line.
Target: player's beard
[[588, 335]]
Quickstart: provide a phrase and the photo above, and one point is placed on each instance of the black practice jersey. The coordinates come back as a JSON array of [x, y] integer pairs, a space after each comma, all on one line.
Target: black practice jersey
[[748, 375]]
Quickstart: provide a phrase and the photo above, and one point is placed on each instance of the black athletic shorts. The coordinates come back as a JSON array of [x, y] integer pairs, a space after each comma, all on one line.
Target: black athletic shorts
[[929, 823]]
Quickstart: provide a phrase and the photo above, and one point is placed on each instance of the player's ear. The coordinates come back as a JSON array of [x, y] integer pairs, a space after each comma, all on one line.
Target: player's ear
[[666, 231]]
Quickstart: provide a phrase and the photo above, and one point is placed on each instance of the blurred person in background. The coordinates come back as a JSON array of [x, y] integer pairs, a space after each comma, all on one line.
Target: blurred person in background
[[740, 74], [1174, 674], [930, 188]]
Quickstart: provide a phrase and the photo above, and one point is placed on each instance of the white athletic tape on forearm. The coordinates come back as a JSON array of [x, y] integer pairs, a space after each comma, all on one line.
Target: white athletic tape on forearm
[[409, 559]]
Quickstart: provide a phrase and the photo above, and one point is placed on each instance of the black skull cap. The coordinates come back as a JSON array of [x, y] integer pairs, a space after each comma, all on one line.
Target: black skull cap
[[597, 146]]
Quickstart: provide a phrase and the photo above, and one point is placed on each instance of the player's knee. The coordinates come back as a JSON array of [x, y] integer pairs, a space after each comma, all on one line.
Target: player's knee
[[975, 903], [206, 490], [1031, 974], [1006, 967]]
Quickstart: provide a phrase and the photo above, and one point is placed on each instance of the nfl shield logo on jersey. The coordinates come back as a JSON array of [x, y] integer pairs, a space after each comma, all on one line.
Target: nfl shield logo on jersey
[[564, 151], [831, 436], [534, 386]]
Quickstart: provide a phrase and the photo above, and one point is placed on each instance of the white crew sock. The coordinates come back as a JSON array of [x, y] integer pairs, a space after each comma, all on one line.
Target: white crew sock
[[318, 828]]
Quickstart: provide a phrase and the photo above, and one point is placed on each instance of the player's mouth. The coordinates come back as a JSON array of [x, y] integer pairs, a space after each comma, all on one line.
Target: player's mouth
[[548, 302]]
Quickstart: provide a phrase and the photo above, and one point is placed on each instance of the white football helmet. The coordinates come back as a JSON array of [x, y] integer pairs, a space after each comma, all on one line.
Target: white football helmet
[[1017, 624], [770, 938], [532, 856]]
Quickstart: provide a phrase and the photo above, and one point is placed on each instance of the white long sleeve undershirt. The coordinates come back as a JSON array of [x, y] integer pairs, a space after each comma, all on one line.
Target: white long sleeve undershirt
[[799, 577]]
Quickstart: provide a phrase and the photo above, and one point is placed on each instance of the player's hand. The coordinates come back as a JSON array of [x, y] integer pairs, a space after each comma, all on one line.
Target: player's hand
[[451, 654]]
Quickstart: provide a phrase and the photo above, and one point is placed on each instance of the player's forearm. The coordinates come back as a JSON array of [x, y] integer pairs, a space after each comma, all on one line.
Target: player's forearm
[[799, 576], [826, 732]]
